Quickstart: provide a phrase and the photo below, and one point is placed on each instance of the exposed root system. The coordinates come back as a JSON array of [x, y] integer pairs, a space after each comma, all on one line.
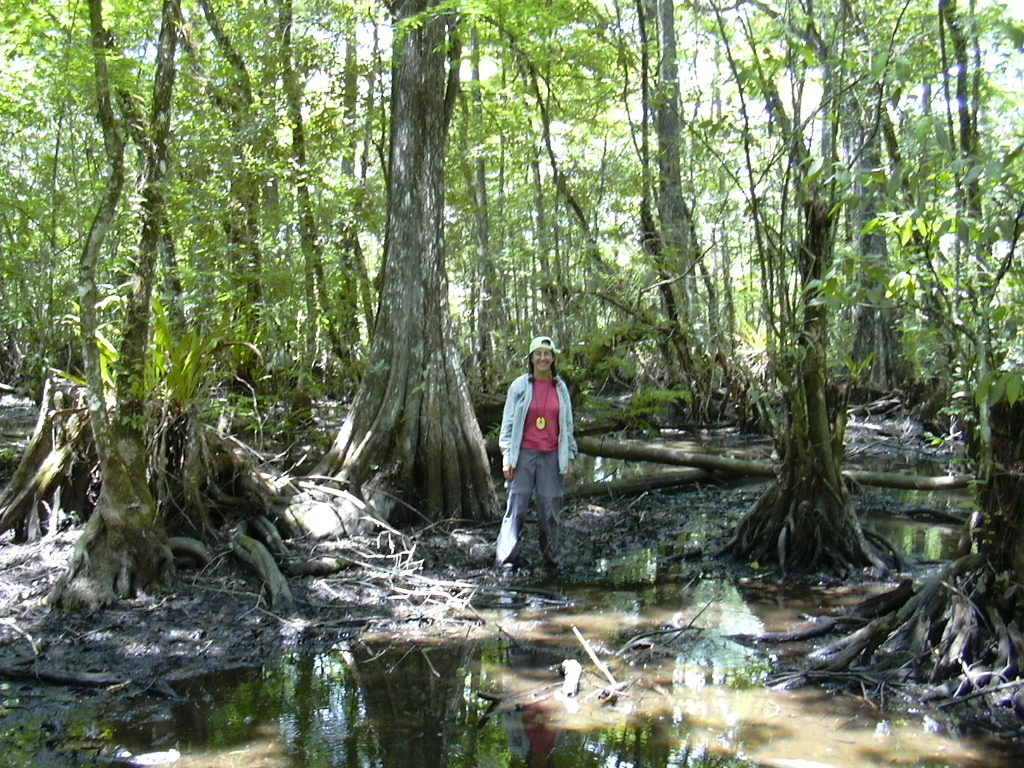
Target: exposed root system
[[954, 639], [204, 491]]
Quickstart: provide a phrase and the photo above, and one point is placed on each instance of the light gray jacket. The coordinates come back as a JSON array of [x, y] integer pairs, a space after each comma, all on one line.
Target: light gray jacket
[[513, 422]]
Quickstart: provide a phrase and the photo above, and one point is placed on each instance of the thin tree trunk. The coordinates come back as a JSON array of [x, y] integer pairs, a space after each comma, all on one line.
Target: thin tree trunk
[[124, 546], [558, 177], [242, 221], [673, 213], [1001, 535], [876, 344], [352, 277], [317, 312], [308, 242], [804, 521], [549, 313], [671, 239], [488, 295]]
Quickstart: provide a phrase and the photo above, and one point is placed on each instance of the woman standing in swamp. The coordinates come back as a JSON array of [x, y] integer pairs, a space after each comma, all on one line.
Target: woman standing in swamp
[[537, 452]]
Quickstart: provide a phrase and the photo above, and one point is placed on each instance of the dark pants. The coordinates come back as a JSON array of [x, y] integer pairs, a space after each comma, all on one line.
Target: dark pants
[[537, 473]]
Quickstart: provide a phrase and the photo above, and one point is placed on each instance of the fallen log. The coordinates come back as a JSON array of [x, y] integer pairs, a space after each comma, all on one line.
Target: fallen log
[[905, 482], [631, 450], [631, 486], [33, 672]]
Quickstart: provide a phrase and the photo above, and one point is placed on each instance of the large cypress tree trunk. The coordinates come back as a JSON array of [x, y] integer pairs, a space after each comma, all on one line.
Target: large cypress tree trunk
[[411, 433]]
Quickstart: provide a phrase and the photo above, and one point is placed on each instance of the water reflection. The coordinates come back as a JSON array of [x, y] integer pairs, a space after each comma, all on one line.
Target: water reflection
[[531, 734], [689, 698], [530, 707], [923, 540]]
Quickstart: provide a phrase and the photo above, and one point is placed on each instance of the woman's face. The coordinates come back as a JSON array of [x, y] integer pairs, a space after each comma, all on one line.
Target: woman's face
[[542, 361]]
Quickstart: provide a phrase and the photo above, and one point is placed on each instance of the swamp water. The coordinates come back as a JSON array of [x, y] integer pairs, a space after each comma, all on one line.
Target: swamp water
[[698, 701], [701, 704]]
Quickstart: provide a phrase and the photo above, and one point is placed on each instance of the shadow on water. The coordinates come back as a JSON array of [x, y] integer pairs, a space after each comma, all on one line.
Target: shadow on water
[[689, 698], [698, 701]]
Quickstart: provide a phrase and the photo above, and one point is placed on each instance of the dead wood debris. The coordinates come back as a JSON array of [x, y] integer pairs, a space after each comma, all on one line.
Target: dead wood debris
[[644, 642], [565, 693], [593, 657], [933, 646], [33, 671]]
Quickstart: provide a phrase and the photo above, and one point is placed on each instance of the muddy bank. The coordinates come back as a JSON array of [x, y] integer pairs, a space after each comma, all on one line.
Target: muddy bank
[[417, 584], [221, 613], [424, 586]]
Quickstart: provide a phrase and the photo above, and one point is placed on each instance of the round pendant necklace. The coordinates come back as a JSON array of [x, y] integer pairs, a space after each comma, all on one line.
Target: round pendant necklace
[[541, 422]]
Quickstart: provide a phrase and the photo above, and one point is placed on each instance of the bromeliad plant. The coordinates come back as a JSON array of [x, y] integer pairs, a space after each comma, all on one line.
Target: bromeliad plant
[[188, 464], [182, 369], [188, 461]]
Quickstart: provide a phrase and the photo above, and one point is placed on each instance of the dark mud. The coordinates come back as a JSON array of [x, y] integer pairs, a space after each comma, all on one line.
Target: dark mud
[[392, 586], [414, 584]]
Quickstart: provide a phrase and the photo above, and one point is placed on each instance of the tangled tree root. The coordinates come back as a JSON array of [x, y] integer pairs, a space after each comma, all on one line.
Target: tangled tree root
[[119, 554], [203, 490], [804, 526], [254, 554], [956, 638]]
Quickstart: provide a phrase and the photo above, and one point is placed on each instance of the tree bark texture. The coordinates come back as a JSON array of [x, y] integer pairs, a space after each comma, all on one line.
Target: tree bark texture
[[411, 433], [122, 552], [804, 521], [671, 240], [1001, 535], [124, 546], [674, 214]]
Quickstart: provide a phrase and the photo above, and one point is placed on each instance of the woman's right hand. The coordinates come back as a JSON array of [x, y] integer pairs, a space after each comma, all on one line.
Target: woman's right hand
[[508, 471]]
